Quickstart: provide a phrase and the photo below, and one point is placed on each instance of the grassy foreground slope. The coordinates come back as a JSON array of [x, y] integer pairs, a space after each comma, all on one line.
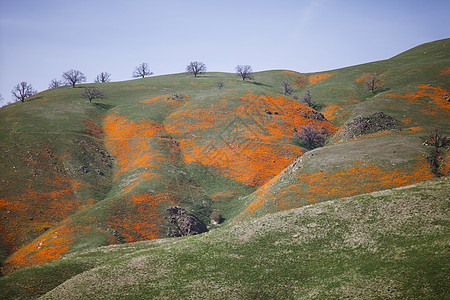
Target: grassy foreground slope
[[179, 140], [388, 244]]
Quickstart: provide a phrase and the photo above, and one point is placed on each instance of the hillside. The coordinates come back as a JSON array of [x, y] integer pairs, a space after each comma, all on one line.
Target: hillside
[[384, 245], [76, 176]]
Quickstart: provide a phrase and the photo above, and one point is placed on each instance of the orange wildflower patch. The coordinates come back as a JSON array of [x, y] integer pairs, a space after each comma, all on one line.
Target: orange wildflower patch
[[166, 99], [437, 95], [292, 73], [128, 141], [250, 163], [142, 216], [371, 135], [330, 111], [28, 214], [298, 80], [415, 129], [50, 246], [260, 194], [224, 195], [193, 119], [364, 78], [93, 129], [315, 78], [136, 86], [287, 114], [246, 139], [155, 99], [445, 71], [321, 186], [408, 121], [404, 131]]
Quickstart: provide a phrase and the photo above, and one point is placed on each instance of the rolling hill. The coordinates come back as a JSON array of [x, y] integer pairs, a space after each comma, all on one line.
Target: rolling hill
[[76, 176]]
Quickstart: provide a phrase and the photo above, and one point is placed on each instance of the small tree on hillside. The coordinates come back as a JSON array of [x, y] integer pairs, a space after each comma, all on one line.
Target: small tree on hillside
[[220, 84], [195, 68], [287, 88], [244, 72], [92, 93], [103, 77], [22, 91], [373, 83], [307, 98], [142, 70], [55, 83], [438, 142], [310, 135], [73, 77]]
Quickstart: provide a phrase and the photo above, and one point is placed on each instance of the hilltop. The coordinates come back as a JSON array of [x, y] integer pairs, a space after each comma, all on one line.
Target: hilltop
[[76, 176]]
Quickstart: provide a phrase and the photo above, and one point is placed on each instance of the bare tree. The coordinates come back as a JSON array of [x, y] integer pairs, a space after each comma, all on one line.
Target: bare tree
[[22, 91], [373, 83], [92, 93], [307, 98], [220, 84], [142, 70], [55, 83], [310, 135], [244, 72], [287, 88], [103, 77], [439, 142], [195, 68], [73, 77]]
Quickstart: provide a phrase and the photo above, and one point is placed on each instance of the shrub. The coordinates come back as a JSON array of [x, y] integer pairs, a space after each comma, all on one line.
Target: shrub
[[311, 136], [92, 93], [373, 83], [216, 217], [438, 142]]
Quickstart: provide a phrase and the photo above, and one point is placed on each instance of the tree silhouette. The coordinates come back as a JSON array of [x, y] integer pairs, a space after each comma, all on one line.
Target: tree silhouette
[[142, 70], [287, 88], [92, 93], [307, 98], [195, 68], [439, 142], [244, 72], [103, 77], [310, 135], [22, 91], [73, 77], [373, 83], [55, 83]]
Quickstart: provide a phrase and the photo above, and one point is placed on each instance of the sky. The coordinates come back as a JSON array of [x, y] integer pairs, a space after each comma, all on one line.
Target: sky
[[39, 40]]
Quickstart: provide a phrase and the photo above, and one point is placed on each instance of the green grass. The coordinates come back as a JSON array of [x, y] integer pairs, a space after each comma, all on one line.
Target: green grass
[[389, 244], [45, 139]]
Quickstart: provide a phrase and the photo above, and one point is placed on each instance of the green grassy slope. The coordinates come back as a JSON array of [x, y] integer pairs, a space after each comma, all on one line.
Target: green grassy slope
[[145, 151], [389, 244], [179, 140], [415, 91]]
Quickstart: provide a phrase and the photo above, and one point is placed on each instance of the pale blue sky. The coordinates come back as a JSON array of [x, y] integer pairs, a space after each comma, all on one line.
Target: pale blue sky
[[39, 40]]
